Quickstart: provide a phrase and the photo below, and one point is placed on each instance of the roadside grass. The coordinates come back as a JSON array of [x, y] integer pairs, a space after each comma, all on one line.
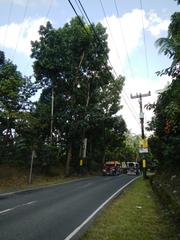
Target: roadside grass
[[14, 184], [135, 215], [12, 179]]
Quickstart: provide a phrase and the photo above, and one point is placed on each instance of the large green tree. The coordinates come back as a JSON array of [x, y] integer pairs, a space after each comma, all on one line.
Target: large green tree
[[166, 122], [15, 93], [71, 63]]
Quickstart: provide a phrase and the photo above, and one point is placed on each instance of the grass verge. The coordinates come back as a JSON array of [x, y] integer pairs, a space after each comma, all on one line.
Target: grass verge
[[136, 214], [12, 179]]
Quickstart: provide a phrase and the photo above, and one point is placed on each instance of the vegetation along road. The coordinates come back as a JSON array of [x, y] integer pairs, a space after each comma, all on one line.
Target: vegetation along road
[[56, 212]]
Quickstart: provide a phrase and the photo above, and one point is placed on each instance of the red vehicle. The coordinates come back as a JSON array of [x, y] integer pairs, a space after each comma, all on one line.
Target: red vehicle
[[111, 168]]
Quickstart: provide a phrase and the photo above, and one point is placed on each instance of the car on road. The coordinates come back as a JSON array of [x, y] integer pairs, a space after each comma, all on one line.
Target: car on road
[[111, 168], [133, 168]]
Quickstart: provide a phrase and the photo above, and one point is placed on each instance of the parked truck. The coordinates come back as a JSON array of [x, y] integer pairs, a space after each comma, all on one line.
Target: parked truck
[[133, 168], [111, 168]]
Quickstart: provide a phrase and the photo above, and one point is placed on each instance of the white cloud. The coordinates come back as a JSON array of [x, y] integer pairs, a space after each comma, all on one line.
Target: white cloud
[[127, 33], [159, 28], [18, 36], [141, 85], [156, 24]]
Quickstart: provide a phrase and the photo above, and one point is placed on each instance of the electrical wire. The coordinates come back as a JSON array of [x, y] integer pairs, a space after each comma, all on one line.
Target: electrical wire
[[49, 8], [46, 16], [20, 30], [97, 41], [9, 17], [144, 40], [124, 41], [80, 20], [79, 8], [117, 52]]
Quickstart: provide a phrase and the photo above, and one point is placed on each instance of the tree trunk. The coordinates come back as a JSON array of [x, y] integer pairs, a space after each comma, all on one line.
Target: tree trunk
[[103, 158], [90, 148], [69, 155]]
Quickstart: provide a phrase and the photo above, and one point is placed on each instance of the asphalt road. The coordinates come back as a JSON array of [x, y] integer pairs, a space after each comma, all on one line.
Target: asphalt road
[[58, 212]]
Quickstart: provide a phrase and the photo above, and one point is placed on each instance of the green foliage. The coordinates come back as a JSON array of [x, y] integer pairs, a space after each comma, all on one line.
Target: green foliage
[[86, 95], [136, 214], [47, 156], [2, 58], [15, 94], [170, 45], [178, 1], [166, 123], [70, 65]]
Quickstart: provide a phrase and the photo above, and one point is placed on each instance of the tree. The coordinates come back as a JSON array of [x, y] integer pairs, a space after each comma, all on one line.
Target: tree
[[2, 58], [166, 122], [69, 62], [15, 94], [170, 45], [114, 138]]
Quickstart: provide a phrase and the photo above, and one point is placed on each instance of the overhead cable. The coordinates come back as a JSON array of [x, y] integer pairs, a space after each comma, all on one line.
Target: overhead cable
[[20, 30], [97, 41], [124, 41], [144, 40], [46, 16], [117, 52], [9, 17]]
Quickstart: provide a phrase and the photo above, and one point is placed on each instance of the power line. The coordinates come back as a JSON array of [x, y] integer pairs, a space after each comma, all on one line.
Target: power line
[[49, 8], [110, 30], [97, 40], [117, 52], [124, 41], [46, 16], [79, 7], [144, 39], [9, 16], [80, 20], [141, 109], [135, 117], [20, 30]]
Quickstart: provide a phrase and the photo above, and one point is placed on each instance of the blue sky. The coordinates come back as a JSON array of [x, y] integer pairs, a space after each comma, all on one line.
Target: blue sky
[[20, 21]]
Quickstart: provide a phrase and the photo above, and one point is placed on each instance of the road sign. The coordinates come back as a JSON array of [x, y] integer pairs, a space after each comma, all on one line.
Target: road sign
[[143, 146], [143, 150]]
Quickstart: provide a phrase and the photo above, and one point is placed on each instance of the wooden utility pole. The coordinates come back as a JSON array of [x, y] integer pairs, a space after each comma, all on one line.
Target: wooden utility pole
[[141, 116], [33, 154], [52, 115]]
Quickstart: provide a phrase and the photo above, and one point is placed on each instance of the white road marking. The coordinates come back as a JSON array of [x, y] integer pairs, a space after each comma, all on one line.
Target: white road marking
[[96, 211], [5, 211], [18, 206], [29, 203]]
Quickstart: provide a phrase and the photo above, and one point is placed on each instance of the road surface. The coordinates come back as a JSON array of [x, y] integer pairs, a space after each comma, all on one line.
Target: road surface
[[58, 212]]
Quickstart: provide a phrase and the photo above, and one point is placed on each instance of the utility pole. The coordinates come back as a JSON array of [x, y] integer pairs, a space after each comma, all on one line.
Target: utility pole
[[33, 154], [141, 116], [52, 113]]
